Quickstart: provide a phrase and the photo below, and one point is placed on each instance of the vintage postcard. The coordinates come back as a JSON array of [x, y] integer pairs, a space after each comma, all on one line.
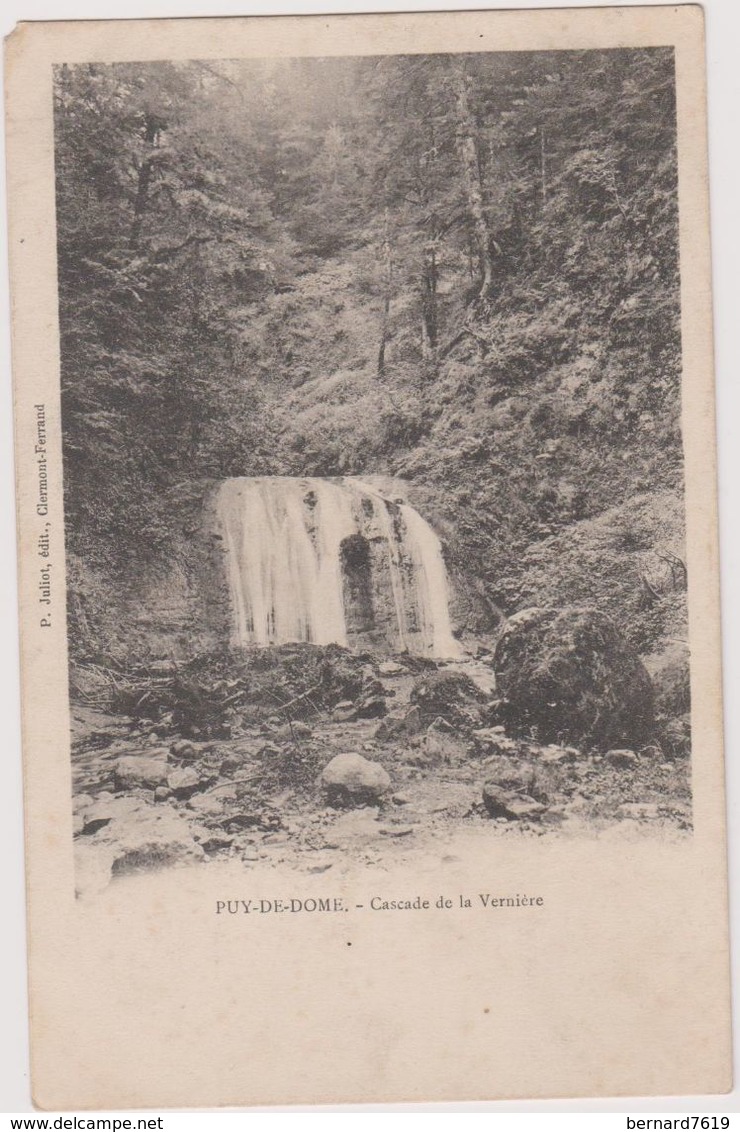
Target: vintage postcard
[[368, 558]]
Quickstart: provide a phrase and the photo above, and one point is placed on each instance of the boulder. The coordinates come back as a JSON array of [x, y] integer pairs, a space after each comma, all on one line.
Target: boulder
[[145, 771], [571, 676], [391, 668], [355, 779], [513, 806]]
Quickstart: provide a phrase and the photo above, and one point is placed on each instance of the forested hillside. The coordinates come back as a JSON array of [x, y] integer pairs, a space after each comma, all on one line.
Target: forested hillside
[[461, 271]]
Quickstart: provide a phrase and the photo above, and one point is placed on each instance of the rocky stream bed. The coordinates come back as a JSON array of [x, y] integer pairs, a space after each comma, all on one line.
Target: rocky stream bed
[[398, 767]]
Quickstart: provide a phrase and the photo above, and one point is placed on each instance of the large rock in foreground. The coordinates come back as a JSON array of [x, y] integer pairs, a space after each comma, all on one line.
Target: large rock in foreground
[[571, 676], [352, 779]]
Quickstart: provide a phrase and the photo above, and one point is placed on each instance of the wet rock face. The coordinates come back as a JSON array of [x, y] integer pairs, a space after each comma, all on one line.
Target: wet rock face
[[341, 564], [570, 676]]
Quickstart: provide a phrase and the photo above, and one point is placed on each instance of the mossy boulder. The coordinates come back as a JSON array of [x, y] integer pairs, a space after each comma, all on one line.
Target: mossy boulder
[[570, 676]]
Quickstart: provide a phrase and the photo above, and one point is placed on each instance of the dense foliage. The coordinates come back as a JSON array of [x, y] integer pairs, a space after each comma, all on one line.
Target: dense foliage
[[458, 270]]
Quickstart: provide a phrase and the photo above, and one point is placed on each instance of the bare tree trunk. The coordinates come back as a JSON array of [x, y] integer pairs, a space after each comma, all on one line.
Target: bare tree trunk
[[468, 146], [429, 329], [387, 286], [430, 236], [151, 137]]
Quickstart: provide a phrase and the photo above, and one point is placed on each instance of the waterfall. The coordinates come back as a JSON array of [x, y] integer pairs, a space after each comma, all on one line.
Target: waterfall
[[332, 560]]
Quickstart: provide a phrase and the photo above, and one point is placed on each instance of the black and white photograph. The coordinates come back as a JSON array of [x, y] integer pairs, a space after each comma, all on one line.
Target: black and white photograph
[[371, 410]]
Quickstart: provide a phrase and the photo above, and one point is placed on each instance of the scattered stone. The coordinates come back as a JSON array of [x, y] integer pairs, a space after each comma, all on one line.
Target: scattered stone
[[184, 781], [228, 767], [182, 749], [217, 841], [140, 770], [400, 799], [162, 793], [396, 830], [494, 739], [442, 744], [344, 712], [506, 804], [213, 802], [244, 820], [406, 722], [510, 775], [622, 758], [290, 732], [355, 779], [554, 755]]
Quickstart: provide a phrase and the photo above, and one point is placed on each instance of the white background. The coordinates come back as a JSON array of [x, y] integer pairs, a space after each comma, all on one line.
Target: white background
[[723, 58]]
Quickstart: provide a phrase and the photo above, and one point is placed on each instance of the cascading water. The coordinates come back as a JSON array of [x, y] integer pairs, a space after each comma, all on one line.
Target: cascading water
[[332, 561]]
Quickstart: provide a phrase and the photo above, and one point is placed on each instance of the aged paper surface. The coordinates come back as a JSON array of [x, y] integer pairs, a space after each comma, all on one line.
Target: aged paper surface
[[488, 905]]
